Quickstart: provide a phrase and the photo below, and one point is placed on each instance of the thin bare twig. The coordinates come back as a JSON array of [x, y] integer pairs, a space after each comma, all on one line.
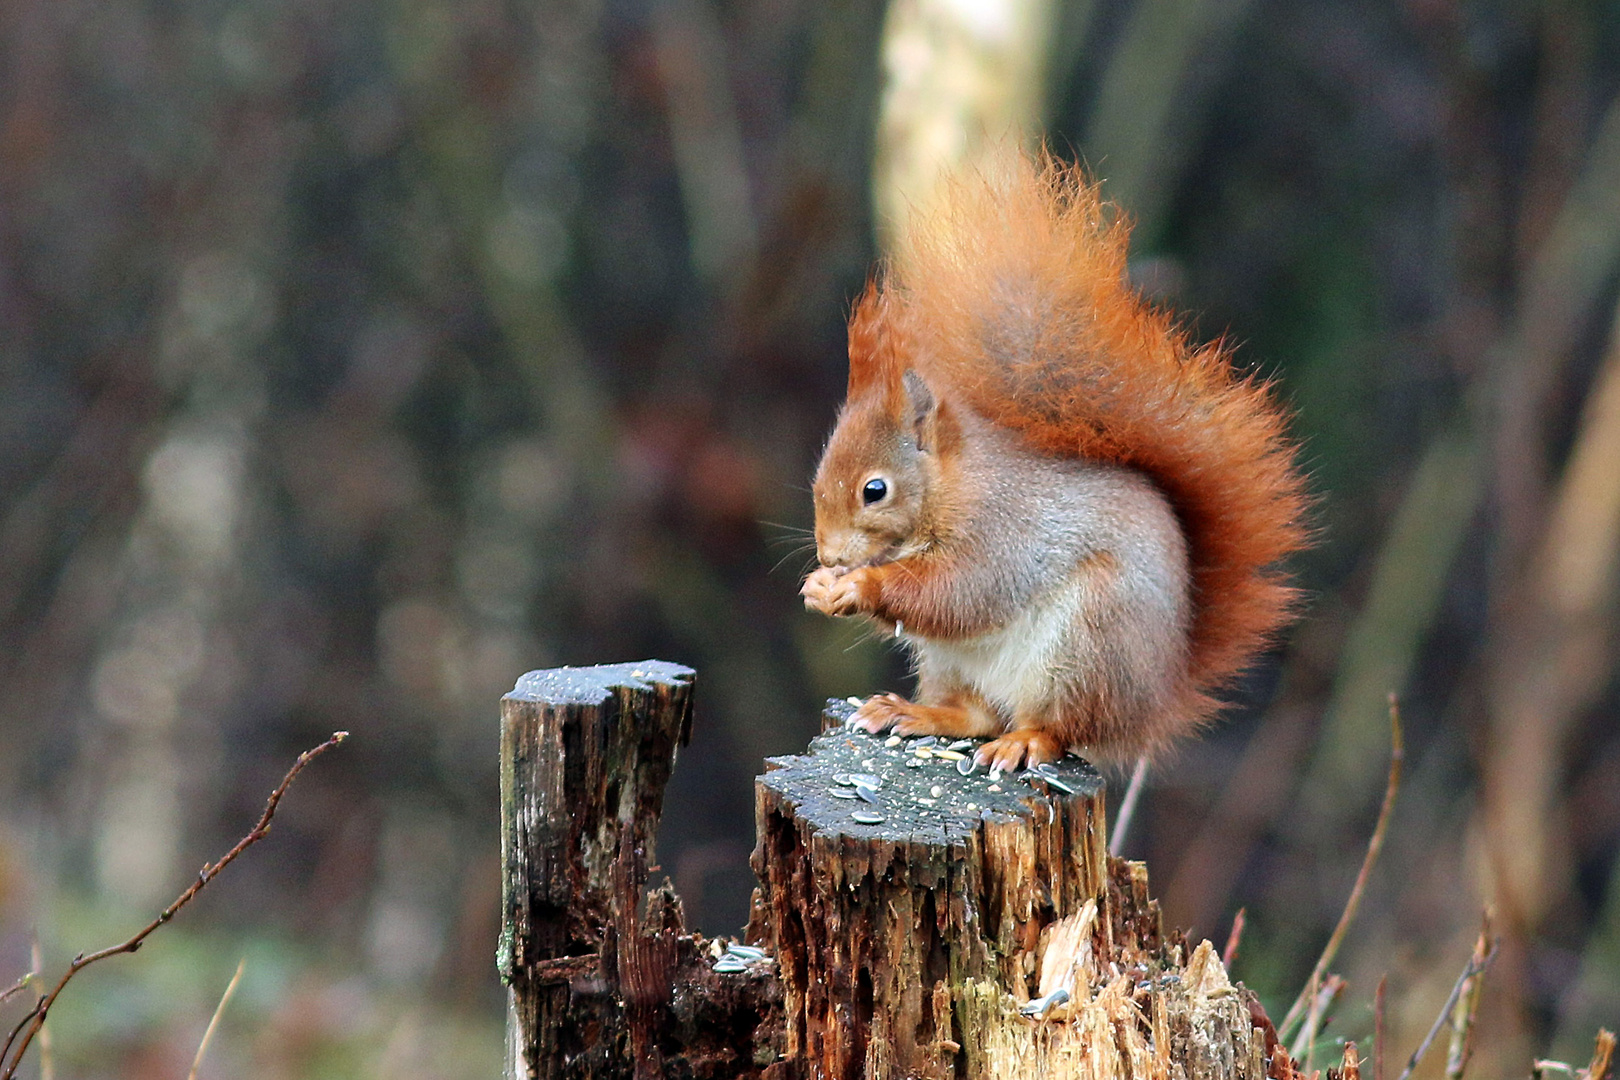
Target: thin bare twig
[[219, 1010], [1397, 754], [31, 978], [1233, 939], [1476, 966], [35, 1018], [1127, 806]]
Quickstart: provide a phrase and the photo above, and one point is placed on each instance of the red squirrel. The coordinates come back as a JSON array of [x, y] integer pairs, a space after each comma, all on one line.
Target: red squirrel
[[1071, 515]]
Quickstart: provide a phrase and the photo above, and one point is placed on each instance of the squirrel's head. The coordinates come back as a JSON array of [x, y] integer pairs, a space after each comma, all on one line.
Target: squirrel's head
[[877, 487]]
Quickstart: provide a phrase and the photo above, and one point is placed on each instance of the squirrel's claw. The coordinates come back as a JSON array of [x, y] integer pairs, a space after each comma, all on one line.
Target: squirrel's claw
[[880, 712], [1025, 747]]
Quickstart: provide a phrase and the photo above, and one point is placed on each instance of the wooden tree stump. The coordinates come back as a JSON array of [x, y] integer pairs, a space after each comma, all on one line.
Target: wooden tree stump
[[920, 918], [598, 986]]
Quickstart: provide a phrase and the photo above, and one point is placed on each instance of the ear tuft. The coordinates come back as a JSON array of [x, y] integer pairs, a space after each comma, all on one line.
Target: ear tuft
[[874, 353]]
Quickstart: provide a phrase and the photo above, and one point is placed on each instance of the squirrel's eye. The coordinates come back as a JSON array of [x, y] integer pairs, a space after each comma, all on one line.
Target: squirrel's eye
[[874, 490]]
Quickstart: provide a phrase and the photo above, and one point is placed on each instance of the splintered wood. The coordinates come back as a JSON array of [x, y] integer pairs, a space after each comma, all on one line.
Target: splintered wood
[[946, 923]]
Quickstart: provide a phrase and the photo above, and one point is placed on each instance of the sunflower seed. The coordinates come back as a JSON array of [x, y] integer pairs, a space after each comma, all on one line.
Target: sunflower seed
[[841, 793], [1046, 768], [1060, 785], [961, 744], [967, 766], [746, 952], [862, 817], [868, 794], [730, 965], [1039, 1007], [871, 780], [843, 778], [926, 740]]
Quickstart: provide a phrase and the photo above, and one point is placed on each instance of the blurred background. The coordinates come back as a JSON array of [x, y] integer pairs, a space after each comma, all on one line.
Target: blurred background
[[357, 357]]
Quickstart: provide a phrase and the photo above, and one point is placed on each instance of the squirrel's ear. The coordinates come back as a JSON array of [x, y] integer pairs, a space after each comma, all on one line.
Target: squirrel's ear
[[931, 419], [874, 361]]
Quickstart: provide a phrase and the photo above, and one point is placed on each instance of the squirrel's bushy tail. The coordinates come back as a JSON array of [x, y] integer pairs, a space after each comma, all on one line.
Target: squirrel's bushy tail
[[1012, 291]]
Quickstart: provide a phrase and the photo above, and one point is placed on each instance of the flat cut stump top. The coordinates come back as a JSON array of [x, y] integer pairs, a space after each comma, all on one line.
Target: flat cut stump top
[[922, 797]]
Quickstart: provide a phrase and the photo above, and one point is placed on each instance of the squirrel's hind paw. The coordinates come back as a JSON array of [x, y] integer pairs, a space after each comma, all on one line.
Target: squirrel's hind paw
[[1026, 747]]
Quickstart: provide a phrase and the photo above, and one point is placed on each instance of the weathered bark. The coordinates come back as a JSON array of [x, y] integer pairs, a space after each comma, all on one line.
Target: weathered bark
[[914, 940], [597, 988]]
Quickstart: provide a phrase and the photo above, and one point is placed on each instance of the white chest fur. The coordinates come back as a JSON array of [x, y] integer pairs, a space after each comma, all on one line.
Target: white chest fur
[[1019, 666]]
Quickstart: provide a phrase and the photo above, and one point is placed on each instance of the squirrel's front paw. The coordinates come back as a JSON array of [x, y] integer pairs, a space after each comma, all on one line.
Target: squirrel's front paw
[[832, 590]]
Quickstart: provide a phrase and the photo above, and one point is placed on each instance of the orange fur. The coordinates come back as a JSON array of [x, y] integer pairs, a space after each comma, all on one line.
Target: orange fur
[[1011, 291]]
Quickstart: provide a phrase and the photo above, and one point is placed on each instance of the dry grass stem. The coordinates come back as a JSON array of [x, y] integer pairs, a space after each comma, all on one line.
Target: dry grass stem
[[213, 1024], [1476, 966], [1602, 1057], [47, 1060], [1397, 755], [1378, 1027], [1462, 1017], [1233, 939], [1315, 1021], [1127, 806], [11, 1055]]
